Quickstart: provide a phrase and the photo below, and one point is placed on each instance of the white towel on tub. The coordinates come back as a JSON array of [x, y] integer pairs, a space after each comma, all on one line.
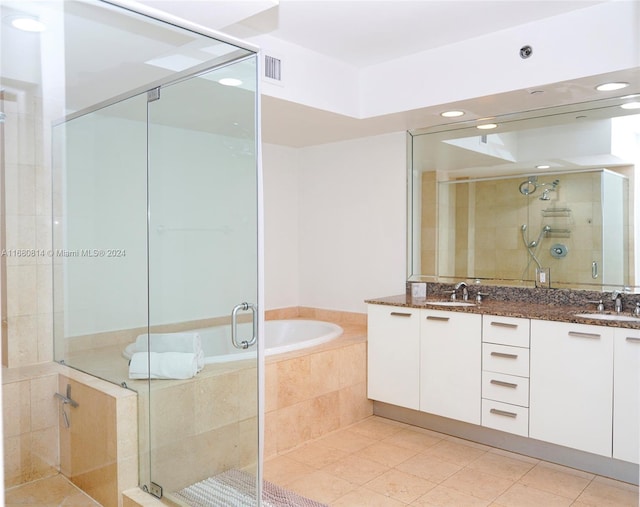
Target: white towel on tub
[[163, 365], [169, 342]]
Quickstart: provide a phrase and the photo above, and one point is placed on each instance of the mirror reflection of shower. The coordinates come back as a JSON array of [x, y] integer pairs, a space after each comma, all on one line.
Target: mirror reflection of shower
[[530, 186], [533, 246]]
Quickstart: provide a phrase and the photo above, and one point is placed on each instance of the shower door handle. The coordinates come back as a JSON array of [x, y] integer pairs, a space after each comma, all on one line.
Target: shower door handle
[[234, 326]]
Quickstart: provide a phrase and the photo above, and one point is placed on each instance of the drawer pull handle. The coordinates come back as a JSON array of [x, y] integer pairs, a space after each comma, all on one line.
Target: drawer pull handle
[[583, 335], [400, 314], [503, 384], [505, 355], [432, 317], [633, 339], [504, 324], [503, 412]]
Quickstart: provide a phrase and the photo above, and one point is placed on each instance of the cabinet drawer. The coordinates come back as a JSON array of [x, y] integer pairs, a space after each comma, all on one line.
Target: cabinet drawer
[[505, 359], [505, 330], [505, 388], [505, 417]]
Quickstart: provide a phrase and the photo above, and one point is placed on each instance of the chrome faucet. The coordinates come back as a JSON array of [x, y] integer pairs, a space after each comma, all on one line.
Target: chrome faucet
[[616, 296], [465, 291]]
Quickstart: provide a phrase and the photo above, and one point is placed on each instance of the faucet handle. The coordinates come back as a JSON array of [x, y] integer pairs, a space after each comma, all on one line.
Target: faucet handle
[[636, 310], [599, 303], [453, 294], [479, 296]]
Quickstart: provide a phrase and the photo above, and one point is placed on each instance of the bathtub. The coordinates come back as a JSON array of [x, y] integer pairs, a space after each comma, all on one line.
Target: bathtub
[[280, 336]]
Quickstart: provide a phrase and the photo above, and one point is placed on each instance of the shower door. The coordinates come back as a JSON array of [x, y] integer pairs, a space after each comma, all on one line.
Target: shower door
[[203, 263]]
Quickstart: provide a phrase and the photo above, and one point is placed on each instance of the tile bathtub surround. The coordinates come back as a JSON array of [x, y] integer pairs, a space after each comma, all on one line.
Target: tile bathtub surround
[[390, 464], [313, 392]]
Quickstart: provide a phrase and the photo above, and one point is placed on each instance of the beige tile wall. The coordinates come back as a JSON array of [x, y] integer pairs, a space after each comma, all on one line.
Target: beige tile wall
[[99, 450], [429, 223], [27, 184], [30, 422], [31, 440], [309, 394]]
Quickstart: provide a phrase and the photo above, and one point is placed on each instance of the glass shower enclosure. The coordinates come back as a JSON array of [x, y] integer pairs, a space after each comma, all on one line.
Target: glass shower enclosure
[[156, 247]]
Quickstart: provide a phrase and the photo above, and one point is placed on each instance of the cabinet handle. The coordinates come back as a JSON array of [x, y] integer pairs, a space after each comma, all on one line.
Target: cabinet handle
[[504, 324], [503, 384], [505, 355], [433, 317], [400, 314], [503, 412], [583, 335], [633, 339]]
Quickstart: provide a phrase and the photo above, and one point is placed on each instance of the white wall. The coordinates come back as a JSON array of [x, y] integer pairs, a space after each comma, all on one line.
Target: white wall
[[281, 222], [352, 222], [566, 47]]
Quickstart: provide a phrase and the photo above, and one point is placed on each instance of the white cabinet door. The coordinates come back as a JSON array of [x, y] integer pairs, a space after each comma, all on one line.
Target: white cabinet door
[[571, 385], [626, 394], [450, 364], [393, 351]]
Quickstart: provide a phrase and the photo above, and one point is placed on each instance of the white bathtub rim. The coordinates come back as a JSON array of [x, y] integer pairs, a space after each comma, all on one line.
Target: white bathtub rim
[[335, 332]]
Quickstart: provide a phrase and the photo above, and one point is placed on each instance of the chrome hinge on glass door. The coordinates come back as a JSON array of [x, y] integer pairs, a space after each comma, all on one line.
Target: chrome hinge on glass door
[[245, 344]]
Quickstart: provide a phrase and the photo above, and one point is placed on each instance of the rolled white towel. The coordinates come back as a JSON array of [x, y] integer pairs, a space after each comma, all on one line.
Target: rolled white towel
[[163, 365], [169, 342]]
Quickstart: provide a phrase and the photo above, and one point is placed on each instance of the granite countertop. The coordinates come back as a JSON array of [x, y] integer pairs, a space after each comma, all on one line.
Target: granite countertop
[[523, 309]]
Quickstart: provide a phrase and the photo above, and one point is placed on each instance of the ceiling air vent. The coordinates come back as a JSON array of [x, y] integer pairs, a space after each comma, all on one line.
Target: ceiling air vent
[[273, 68]]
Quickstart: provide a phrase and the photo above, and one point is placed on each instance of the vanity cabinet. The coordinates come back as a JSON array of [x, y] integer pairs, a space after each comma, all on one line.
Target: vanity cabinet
[[393, 352], [626, 394], [505, 374], [450, 364], [571, 385]]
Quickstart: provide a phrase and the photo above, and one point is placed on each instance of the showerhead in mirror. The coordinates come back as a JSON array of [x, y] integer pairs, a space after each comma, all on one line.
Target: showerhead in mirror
[[551, 187]]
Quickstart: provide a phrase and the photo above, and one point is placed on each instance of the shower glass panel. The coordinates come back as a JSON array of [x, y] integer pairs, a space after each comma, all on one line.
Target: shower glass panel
[[203, 262], [155, 232], [99, 237]]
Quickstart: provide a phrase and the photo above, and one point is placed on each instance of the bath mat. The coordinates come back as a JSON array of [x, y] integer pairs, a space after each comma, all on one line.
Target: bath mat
[[235, 488]]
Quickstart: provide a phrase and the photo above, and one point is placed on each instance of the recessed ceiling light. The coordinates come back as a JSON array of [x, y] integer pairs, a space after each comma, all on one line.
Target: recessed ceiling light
[[631, 105], [610, 87], [230, 81], [487, 126], [543, 166], [27, 24], [452, 114]]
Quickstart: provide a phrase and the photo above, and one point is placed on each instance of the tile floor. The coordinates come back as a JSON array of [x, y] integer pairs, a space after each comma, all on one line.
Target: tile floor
[[54, 491], [383, 463]]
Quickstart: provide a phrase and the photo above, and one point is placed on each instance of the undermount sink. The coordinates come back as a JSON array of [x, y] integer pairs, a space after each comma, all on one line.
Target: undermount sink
[[608, 316], [450, 303]]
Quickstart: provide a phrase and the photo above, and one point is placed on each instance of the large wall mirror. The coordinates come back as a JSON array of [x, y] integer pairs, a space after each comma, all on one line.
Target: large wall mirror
[[546, 197]]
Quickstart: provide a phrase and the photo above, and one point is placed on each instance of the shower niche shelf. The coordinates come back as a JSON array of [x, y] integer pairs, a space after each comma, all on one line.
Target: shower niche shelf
[[557, 212]]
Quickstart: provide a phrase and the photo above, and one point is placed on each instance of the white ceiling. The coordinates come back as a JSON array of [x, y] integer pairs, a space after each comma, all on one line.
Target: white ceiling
[[366, 32]]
